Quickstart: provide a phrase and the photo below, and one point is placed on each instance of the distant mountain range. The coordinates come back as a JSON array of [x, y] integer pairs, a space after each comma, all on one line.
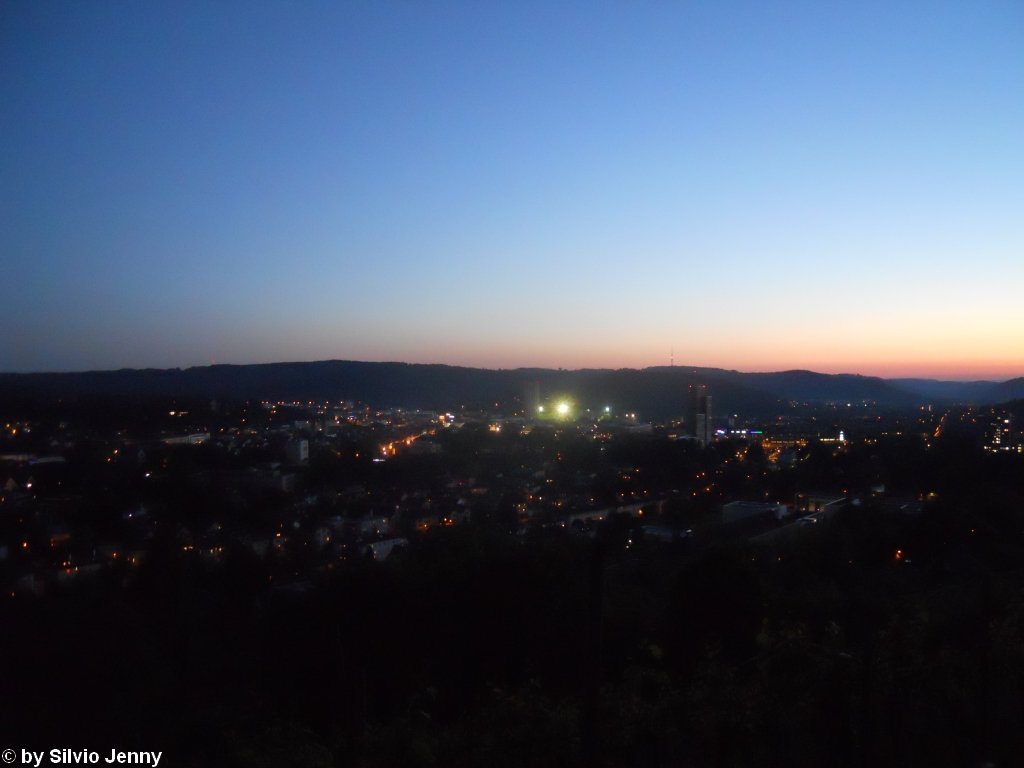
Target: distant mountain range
[[659, 391]]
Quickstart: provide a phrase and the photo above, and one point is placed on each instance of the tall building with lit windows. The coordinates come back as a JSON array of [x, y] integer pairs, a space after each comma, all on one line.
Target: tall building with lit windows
[[999, 437], [700, 414]]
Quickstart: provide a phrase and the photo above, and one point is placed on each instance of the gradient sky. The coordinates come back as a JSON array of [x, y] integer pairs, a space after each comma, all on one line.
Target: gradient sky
[[760, 186]]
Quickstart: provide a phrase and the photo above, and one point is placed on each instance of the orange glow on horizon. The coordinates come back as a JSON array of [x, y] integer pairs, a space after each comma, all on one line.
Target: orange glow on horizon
[[930, 353], [883, 367]]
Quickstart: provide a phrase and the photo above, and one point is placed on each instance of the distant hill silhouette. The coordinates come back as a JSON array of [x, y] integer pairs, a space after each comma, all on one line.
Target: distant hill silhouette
[[655, 392], [977, 392]]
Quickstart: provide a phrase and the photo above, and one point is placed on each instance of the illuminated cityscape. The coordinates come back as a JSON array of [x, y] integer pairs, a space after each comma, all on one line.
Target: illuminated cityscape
[[290, 525]]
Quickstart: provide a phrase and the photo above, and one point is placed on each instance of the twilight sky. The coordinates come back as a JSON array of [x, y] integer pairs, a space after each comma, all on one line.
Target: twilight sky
[[761, 186]]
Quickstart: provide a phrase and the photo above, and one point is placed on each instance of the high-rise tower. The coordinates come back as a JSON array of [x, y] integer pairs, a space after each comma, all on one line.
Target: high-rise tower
[[700, 413], [531, 397]]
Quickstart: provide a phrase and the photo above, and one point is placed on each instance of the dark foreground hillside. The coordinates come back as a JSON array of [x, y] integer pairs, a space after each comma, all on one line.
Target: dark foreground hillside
[[877, 639]]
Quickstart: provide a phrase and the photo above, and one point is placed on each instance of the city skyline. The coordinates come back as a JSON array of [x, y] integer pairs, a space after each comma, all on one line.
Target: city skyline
[[753, 188]]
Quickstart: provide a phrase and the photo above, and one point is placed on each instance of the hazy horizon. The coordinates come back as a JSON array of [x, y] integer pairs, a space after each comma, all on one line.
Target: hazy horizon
[[678, 364]]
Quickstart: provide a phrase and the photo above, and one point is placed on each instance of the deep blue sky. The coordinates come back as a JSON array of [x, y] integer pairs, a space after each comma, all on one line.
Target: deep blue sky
[[754, 185]]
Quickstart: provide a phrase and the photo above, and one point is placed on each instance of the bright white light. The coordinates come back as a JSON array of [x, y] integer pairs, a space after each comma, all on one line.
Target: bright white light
[[540, 409], [563, 408], [607, 409]]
